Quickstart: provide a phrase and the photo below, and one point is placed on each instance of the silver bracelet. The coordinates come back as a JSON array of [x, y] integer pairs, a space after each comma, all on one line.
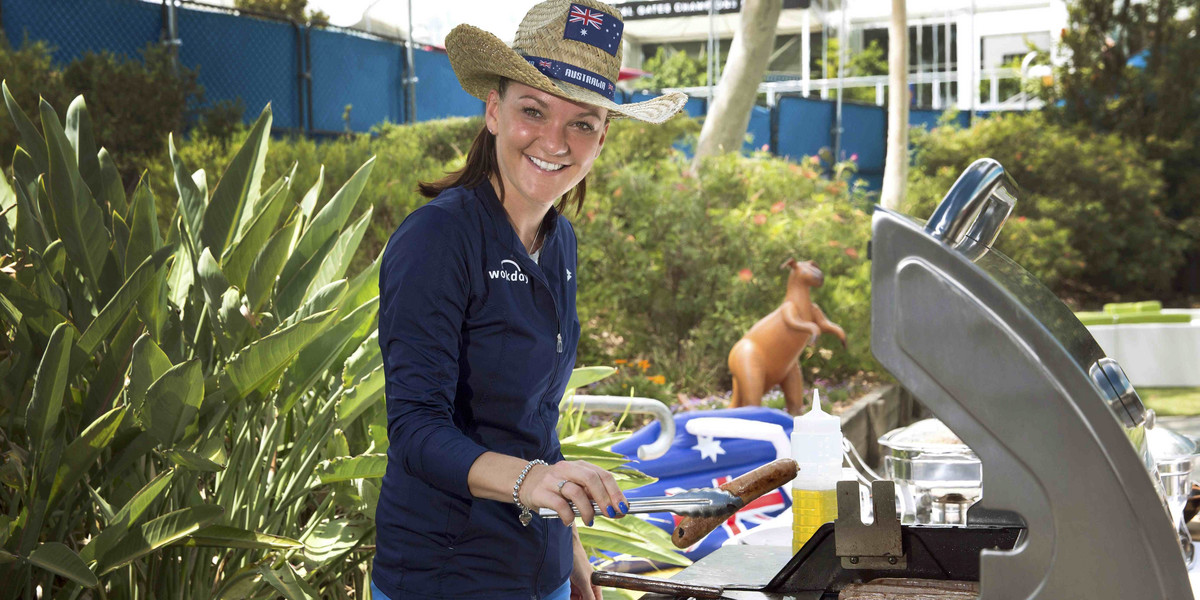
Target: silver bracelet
[[526, 515]]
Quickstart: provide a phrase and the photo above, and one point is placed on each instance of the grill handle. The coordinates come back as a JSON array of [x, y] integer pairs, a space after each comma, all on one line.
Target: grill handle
[[971, 214]]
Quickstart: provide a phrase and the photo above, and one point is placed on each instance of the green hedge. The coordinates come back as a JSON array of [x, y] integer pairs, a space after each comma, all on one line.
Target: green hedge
[[1089, 222]]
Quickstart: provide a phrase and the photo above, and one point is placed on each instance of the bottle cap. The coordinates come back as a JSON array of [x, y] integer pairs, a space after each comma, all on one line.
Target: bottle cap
[[817, 420]]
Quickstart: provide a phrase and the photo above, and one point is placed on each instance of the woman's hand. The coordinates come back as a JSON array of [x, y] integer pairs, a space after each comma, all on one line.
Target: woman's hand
[[574, 481], [581, 575]]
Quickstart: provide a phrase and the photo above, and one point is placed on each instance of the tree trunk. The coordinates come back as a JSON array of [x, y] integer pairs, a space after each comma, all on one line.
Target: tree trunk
[[729, 112], [895, 170]]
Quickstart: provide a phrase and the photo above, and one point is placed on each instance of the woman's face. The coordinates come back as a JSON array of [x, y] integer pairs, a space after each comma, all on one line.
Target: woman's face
[[544, 144]]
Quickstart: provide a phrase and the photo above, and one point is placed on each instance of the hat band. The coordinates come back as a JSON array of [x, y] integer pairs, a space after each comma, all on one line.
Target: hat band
[[572, 74]]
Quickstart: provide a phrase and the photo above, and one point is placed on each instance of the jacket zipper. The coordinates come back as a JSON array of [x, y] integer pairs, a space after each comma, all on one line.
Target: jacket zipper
[[540, 277]]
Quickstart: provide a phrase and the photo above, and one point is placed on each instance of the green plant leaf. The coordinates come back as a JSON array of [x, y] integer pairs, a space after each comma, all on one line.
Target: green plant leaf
[[61, 560], [49, 385], [77, 217], [350, 468], [30, 231], [144, 237], [364, 360], [192, 200], [315, 360], [112, 191], [149, 363], [193, 461], [243, 252], [8, 218], [237, 190], [31, 140], [30, 309], [183, 270], [173, 401], [264, 359], [224, 536], [326, 298], [307, 205], [287, 582], [79, 134], [359, 398], [587, 376], [157, 533], [83, 451], [334, 264], [334, 538], [315, 240], [260, 280], [118, 308], [130, 515]]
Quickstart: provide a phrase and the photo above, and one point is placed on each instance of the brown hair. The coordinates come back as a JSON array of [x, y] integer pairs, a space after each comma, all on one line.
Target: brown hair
[[481, 166]]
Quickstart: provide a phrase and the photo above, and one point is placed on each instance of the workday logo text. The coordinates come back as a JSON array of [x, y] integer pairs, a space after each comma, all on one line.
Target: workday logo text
[[509, 271]]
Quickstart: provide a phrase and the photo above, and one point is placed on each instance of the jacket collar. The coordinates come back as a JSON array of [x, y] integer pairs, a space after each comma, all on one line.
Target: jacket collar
[[495, 210]]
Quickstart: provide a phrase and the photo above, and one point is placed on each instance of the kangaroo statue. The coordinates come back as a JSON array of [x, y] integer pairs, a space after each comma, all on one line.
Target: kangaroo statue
[[768, 355]]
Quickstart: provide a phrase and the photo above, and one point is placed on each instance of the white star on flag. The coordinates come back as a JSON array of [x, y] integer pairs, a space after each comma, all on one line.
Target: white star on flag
[[583, 32], [709, 447]]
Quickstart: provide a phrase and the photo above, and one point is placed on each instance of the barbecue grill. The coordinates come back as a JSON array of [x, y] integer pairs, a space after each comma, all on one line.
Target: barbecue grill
[[1071, 506]]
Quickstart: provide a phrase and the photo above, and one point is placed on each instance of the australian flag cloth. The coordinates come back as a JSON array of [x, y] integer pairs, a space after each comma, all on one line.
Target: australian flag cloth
[[594, 27]]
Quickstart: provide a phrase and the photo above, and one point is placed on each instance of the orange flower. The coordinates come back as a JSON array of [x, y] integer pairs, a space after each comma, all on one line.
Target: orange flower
[[810, 174], [659, 379], [838, 218], [852, 253], [760, 219], [621, 361], [745, 275], [617, 192], [777, 207], [644, 364], [834, 244]]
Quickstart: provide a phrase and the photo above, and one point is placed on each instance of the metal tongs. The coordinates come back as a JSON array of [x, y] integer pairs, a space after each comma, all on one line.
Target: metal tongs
[[701, 502]]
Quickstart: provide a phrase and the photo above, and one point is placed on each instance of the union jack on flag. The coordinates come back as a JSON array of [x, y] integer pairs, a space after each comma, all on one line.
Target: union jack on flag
[[544, 63], [586, 16]]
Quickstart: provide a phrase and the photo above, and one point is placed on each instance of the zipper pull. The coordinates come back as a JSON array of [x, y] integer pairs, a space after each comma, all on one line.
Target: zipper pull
[[560, 343]]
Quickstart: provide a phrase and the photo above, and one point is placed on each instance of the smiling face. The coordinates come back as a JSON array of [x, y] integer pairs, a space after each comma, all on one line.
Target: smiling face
[[544, 144]]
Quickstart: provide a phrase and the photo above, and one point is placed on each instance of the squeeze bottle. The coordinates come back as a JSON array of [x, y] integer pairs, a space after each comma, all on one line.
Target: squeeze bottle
[[817, 449]]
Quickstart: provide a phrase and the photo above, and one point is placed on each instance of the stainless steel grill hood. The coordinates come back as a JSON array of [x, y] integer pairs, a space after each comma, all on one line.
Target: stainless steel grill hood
[[1009, 368]]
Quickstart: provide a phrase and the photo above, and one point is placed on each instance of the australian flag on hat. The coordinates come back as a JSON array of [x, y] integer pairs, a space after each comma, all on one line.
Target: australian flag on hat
[[594, 27]]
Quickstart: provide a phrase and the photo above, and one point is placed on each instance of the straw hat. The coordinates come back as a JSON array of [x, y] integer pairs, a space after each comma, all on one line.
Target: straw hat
[[569, 48]]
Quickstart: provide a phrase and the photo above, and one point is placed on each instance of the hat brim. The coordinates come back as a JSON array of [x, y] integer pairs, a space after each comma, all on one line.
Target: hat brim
[[479, 59]]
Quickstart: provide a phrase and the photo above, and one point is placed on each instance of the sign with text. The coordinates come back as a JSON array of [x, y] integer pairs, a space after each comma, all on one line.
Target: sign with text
[[657, 9]]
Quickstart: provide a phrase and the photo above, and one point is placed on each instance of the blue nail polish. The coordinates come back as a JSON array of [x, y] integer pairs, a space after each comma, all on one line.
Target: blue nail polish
[[624, 507], [609, 510], [592, 521]]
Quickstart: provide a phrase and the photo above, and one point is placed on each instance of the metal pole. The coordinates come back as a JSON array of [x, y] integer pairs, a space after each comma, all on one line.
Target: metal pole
[[920, 61], [837, 140], [936, 88], [974, 66], [824, 50], [712, 45], [806, 49], [173, 41], [412, 73]]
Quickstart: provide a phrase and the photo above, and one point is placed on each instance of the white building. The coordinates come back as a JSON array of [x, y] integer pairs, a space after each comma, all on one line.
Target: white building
[[953, 45]]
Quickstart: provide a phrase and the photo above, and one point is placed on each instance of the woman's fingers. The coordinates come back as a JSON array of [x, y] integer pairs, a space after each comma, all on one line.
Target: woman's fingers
[[582, 502], [580, 483]]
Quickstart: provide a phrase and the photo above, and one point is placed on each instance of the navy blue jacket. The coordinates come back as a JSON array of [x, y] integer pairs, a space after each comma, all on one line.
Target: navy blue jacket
[[478, 343]]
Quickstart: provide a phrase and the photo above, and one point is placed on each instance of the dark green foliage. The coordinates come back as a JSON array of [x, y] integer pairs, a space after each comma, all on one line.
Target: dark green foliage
[[1156, 107], [672, 69], [675, 266], [1090, 221], [133, 103]]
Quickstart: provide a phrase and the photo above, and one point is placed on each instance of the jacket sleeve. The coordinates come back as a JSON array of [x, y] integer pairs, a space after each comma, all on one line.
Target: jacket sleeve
[[423, 293]]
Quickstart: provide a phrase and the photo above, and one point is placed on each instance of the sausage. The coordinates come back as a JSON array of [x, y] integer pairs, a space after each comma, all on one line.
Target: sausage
[[748, 487]]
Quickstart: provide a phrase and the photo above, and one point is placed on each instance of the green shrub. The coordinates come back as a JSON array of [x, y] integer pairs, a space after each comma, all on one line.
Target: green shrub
[[1089, 222], [676, 266], [133, 103]]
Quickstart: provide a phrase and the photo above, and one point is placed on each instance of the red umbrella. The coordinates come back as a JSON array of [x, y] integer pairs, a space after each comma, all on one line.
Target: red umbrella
[[630, 73]]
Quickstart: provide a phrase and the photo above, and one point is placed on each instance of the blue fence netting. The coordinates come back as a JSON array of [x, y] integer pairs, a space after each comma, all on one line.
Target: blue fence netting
[[328, 80]]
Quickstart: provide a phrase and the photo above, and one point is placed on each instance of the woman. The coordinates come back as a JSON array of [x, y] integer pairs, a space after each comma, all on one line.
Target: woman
[[478, 327]]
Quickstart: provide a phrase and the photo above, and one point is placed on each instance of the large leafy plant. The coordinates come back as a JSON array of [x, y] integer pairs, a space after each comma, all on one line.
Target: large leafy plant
[[188, 412]]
